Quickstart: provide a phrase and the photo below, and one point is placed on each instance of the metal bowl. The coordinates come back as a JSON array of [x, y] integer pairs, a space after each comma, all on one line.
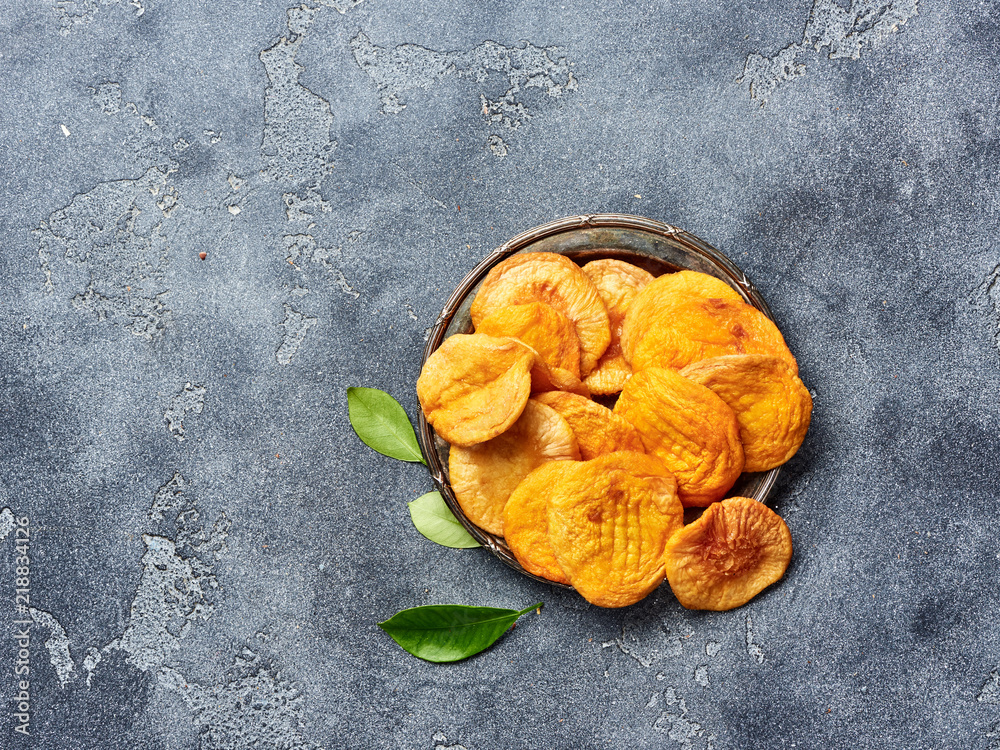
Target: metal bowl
[[657, 247]]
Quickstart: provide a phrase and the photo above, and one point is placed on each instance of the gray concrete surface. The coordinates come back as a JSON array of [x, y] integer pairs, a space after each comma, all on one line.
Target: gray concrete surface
[[211, 546]]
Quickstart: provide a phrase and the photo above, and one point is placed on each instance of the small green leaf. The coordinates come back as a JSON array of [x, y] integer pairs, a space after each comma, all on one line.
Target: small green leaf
[[449, 632], [382, 424], [434, 519]]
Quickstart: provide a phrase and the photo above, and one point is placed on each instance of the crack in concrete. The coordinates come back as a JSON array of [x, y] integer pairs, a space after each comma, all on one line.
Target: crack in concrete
[[304, 246], [296, 145], [73, 13], [172, 595], [440, 738], [524, 66], [7, 523], [845, 32], [296, 326], [753, 649], [990, 692], [990, 291], [675, 722], [110, 235], [255, 709], [190, 399], [57, 644]]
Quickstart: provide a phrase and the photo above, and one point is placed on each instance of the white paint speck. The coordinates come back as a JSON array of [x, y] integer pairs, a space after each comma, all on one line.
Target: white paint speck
[[6, 523]]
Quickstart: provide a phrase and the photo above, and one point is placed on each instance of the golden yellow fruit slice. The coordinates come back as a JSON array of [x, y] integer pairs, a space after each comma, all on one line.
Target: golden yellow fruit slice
[[609, 521], [687, 282], [545, 379], [526, 521], [598, 430], [483, 476], [687, 329], [558, 282], [734, 551], [473, 387], [659, 294], [689, 427], [771, 404], [543, 328], [687, 316], [618, 283]]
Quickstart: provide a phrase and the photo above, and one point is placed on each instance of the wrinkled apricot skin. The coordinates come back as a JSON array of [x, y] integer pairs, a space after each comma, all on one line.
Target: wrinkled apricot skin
[[686, 282], [734, 551], [526, 521], [650, 300], [771, 404], [483, 476], [545, 379], [556, 281], [673, 325], [543, 328], [473, 387], [691, 429], [598, 430], [618, 283], [609, 520], [691, 329]]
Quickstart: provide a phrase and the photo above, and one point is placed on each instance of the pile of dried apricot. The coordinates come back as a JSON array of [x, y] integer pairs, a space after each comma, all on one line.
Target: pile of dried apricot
[[593, 496]]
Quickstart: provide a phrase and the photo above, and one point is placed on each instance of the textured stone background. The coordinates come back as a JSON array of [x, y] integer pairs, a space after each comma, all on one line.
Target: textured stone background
[[211, 546]]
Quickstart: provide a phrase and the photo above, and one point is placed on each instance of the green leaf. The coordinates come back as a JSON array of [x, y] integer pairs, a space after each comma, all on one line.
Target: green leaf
[[449, 632], [434, 519], [382, 424]]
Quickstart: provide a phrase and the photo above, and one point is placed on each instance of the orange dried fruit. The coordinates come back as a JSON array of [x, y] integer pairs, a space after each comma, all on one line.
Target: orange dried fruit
[[543, 328], [483, 476], [545, 379], [618, 283], [724, 559], [687, 316], [660, 293], [689, 427], [686, 282], [771, 403], [689, 329], [526, 521], [598, 430], [473, 387], [558, 282], [609, 520]]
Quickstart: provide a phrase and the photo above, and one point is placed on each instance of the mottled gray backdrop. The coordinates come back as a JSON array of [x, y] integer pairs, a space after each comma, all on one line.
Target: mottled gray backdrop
[[211, 547]]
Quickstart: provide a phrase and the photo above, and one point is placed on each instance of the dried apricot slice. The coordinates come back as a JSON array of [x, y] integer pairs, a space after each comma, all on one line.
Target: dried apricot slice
[[724, 559], [685, 282], [687, 316], [558, 282], [687, 329], [609, 522], [473, 387], [526, 521], [771, 404], [598, 430], [543, 328], [618, 283], [660, 293], [689, 427], [545, 379], [483, 476]]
